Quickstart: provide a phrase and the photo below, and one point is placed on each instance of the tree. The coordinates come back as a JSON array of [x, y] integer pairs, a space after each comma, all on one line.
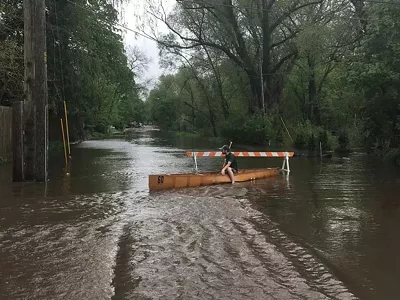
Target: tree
[[247, 32], [11, 52], [87, 64], [321, 46], [89, 67], [375, 71]]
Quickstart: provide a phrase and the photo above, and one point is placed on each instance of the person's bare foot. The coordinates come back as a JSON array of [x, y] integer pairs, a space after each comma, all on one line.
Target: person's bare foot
[[233, 182]]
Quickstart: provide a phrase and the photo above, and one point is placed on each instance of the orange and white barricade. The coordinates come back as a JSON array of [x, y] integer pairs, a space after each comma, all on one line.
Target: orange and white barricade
[[285, 155]]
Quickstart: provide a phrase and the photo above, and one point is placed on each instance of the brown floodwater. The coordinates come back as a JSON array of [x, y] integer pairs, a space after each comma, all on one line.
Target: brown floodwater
[[328, 231]]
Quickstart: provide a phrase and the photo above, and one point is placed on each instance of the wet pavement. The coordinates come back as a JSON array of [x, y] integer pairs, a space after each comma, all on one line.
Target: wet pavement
[[328, 231]]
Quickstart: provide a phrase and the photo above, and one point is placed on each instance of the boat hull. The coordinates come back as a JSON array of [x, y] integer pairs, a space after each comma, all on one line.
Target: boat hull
[[171, 181]]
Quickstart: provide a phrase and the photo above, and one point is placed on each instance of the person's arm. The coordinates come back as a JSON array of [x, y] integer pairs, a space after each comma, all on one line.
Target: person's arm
[[226, 166]]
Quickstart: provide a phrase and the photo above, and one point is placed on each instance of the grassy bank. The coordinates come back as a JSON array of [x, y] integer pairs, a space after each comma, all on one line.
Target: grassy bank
[[92, 136], [198, 135], [186, 134]]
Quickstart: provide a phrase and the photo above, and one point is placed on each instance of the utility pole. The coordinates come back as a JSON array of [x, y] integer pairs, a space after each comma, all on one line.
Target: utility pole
[[39, 95], [28, 128], [23, 109], [33, 131], [18, 140]]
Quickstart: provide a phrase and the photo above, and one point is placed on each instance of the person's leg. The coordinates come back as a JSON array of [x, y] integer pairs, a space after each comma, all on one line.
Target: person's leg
[[231, 175]]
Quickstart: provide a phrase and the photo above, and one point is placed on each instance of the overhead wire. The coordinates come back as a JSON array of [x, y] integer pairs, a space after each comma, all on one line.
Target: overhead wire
[[213, 4], [216, 4], [204, 2], [115, 23]]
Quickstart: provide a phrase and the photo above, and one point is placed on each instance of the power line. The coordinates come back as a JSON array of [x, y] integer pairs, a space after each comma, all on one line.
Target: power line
[[209, 4], [216, 4], [382, 2], [115, 23]]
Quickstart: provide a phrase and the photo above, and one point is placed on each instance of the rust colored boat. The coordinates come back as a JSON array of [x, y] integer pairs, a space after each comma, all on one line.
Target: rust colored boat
[[171, 181]]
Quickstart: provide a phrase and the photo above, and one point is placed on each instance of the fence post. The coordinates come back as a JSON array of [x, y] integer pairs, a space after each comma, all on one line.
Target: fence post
[[18, 140]]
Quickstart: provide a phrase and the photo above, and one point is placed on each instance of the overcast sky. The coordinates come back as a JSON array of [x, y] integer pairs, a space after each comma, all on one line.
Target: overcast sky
[[147, 46]]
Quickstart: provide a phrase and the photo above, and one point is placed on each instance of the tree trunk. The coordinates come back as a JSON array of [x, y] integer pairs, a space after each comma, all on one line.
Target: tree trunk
[[312, 92], [224, 102], [266, 57], [212, 121], [193, 114]]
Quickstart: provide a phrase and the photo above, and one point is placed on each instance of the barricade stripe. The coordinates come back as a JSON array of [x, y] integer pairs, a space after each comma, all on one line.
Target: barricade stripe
[[241, 154]]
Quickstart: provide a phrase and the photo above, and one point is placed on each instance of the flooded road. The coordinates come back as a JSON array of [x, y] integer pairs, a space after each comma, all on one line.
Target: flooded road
[[329, 231]]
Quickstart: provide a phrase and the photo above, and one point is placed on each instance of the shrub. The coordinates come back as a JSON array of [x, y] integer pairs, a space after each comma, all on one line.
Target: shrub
[[256, 129], [304, 136], [312, 142], [309, 137], [101, 128], [343, 140]]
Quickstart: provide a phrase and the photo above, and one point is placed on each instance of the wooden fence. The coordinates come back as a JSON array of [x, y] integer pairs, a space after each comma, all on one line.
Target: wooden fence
[[5, 131]]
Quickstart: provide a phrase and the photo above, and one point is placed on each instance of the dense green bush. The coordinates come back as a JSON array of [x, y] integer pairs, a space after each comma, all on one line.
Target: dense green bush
[[343, 142], [253, 130], [309, 137], [303, 135], [101, 128]]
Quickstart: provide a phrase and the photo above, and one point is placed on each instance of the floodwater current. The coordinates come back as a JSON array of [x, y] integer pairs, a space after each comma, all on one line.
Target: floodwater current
[[328, 231]]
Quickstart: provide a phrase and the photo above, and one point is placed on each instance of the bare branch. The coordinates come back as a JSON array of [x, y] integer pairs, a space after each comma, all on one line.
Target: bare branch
[[283, 60], [293, 9]]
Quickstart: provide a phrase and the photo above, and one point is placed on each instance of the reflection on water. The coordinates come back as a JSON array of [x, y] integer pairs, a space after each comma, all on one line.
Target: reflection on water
[[328, 231]]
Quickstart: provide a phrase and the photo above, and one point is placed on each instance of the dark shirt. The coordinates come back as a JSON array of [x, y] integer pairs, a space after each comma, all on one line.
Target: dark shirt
[[230, 157]]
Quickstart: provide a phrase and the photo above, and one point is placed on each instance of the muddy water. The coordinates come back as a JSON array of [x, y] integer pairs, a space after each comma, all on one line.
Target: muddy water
[[329, 231]]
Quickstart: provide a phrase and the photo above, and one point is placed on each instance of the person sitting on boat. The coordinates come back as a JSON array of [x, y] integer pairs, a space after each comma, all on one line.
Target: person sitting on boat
[[230, 164]]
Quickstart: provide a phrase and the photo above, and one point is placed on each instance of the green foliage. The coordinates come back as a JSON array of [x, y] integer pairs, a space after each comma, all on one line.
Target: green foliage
[[98, 135], [90, 65], [334, 79], [217, 89], [309, 137], [11, 52], [343, 142], [340, 89], [251, 130], [87, 64], [164, 104], [375, 71]]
